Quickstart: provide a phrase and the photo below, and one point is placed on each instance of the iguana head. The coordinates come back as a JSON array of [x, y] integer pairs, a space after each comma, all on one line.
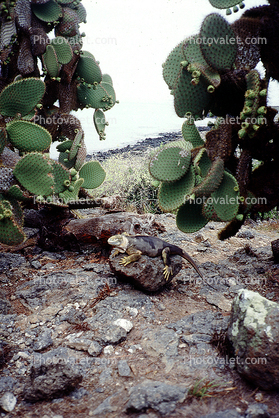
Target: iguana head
[[118, 241]]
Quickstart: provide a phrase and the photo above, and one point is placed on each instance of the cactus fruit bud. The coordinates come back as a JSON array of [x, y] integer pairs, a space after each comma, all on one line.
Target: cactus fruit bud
[[239, 217], [67, 183], [242, 133], [236, 188], [262, 110], [184, 63], [7, 213], [195, 81], [263, 92], [260, 120], [228, 12], [241, 198], [247, 110], [255, 127], [249, 103], [39, 106], [245, 125], [73, 172], [241, 5], [210, 89], [250, 94], [196, 74], [71, 188]]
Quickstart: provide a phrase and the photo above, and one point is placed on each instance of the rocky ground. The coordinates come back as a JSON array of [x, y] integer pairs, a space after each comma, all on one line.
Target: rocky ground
[[128, 353]]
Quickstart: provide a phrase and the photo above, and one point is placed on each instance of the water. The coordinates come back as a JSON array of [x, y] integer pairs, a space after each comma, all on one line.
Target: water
[[128, 123]]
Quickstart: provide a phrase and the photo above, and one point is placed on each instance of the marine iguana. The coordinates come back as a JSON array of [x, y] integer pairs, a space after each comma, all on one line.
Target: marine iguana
[[138, 245]]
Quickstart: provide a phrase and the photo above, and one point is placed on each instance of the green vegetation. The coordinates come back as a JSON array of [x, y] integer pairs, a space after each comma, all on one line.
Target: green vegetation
[[233, 173], [127, 176], [35, 109]]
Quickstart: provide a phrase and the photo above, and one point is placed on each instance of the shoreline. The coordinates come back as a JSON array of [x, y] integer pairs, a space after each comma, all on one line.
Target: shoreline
[[139, 146]]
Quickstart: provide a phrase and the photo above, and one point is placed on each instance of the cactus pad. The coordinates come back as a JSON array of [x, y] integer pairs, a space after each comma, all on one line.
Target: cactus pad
[[10, 232], [220, 47], [16, 193], [226, 198], [68, 195], [28, 136], [76, 145], [63, 159], [194, 56], [88, 70], [173, 195], [93, 174], [21, 96], [90, 97], [61, 174], [172, 65], [202, 162], [50, 61], [63, 49], [111, 98], [170, 164], [226, 4], [107, 79], [100, 123], [189, 98], [191, 133], [47, 12], [40, 184], [64, 146], [189, 217], [81, 12], [212, 180], [209, 212]]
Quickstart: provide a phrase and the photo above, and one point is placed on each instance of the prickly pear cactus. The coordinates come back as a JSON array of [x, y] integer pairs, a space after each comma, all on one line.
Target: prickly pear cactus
[[214, 73], [35, 108]]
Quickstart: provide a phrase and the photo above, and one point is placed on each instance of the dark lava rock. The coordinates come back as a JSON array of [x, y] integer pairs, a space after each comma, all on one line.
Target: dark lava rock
[[8, 261], [51, 381], [146, 273], [5, 306], [162, 397], [275, 249]]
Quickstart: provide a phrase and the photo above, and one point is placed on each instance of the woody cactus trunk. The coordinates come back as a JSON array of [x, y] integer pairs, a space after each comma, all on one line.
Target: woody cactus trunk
[[45, 74], [216, 72]]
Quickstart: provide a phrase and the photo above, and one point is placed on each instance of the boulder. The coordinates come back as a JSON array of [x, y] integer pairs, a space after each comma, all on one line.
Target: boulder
[[51, 381], [146, 273], [254, 334]]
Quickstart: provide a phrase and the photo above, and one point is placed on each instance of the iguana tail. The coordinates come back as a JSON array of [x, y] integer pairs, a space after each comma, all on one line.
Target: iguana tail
[[191, 261]]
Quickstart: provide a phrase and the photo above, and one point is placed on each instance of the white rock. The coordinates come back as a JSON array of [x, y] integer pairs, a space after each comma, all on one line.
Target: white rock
[[108, 349], [124, 323], [8, 401]]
